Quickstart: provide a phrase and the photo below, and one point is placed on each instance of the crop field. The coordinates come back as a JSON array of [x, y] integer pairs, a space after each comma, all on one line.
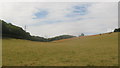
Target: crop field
[[98, 50]]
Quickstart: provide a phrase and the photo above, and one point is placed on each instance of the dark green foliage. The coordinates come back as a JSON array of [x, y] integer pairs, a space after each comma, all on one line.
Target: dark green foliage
[[61, 37], [117, 30], [37, 38], [81, 35], [10, 30]]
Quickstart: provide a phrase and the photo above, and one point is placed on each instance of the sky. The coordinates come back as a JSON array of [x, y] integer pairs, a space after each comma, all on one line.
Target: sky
[[49, 19]]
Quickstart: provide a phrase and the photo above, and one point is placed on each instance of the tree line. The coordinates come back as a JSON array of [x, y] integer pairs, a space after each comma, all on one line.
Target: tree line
[[10, 30], [117, 30]]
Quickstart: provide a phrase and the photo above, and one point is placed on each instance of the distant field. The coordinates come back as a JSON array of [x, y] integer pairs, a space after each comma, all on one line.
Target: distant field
[[100, 50]]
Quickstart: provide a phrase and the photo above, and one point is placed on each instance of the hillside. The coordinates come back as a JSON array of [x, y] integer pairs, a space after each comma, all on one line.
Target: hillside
[[99, 50], [12, 31]]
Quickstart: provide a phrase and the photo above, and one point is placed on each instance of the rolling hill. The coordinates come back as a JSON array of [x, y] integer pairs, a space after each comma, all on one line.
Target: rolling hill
[[98, 50]]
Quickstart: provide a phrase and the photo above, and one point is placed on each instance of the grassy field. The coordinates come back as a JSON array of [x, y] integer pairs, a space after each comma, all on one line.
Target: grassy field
[[0, 52], [99, 50]]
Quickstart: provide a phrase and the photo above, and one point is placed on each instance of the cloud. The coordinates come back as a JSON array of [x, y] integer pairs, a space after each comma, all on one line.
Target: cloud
[[55, 18], [79, 10], [40, 14]]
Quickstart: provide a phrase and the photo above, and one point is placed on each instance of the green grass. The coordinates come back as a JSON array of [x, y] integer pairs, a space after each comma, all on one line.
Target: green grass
[[100, 50]]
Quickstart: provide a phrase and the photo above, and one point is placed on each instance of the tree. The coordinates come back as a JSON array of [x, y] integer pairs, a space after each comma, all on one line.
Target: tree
[[13, 31], [60, 37], [117, 30], [81, 35]]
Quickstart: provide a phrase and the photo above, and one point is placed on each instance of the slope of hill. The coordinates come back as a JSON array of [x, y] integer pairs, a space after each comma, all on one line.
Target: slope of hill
[[12, 31], [100, 50]]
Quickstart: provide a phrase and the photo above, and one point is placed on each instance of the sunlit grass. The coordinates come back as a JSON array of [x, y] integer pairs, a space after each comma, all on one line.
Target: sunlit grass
[[0, 52], [100, 50]]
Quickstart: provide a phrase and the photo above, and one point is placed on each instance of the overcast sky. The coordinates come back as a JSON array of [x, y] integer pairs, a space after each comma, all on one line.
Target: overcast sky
[[48, 19]]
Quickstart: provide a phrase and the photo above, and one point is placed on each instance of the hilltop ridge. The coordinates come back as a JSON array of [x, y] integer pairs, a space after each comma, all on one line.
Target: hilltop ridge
[[13, 31]]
